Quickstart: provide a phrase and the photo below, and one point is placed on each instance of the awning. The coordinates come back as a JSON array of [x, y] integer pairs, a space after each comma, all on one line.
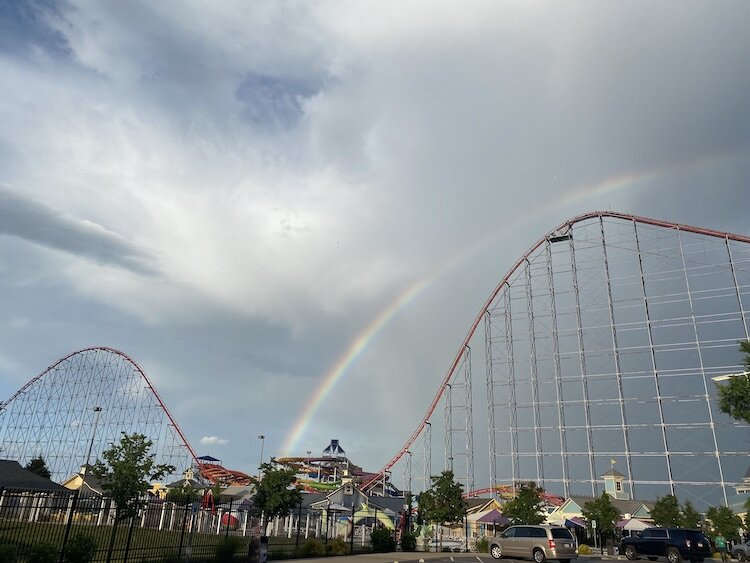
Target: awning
[[573, 522], [632, 524], [494, 517]]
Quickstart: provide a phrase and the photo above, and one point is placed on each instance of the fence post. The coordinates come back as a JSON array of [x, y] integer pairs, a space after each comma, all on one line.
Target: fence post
[[182, 532], [69, 523], [229, 517], [130, 537], [299, 526], [351, 539]]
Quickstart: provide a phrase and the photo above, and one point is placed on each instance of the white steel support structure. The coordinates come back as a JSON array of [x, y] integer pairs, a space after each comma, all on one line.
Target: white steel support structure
[[599, 344]]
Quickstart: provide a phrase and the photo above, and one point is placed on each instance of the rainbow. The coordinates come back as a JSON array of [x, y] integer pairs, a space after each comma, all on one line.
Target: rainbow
[[354, 350], [611, 184]]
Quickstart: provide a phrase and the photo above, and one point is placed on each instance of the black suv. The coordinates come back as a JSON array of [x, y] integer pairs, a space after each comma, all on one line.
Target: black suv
[[675, 544]]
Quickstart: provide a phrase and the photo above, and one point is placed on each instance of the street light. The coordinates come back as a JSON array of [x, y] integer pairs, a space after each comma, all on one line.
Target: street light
[[262, 439], [728, 376], [97, 410]]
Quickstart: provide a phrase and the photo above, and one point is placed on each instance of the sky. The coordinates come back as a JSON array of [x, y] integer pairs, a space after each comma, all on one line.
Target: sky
[[267, 204]]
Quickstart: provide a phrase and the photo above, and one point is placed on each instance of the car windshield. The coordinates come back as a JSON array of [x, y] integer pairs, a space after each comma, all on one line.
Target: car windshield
[[561, 534]]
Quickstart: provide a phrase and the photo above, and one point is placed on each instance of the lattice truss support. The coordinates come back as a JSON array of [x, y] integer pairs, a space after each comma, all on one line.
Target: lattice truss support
[[56, 414], [599, 346]]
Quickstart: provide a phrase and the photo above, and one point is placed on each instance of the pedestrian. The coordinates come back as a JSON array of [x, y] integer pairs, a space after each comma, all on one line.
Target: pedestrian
[[721, 546]]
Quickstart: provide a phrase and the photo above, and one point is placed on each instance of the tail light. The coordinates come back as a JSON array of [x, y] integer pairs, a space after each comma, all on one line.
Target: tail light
[[551, 544]]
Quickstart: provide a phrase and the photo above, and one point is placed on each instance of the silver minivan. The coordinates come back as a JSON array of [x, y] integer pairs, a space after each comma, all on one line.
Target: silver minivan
[[535, 542]]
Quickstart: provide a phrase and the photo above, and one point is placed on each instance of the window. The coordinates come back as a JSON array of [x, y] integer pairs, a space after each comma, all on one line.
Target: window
[[618, 486], [509, 533], [561, 534]]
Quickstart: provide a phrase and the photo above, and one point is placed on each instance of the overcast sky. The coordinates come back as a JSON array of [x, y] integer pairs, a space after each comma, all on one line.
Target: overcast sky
[[233, 192]]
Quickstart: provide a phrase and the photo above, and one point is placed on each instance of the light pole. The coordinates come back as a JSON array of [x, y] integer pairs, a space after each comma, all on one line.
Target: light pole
[[262, 439], [97, 410], [728, 376]]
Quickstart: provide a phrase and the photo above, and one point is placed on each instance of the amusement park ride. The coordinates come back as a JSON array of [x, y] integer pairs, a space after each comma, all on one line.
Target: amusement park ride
[[599, 344]]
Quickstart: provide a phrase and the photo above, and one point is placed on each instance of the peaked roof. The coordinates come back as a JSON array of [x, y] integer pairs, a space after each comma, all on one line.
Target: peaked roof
[[624, 506], [613, 473], [13, 476]]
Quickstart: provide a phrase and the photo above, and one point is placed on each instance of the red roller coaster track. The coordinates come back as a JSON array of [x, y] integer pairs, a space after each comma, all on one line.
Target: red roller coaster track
[[565, 225], [140, 372]]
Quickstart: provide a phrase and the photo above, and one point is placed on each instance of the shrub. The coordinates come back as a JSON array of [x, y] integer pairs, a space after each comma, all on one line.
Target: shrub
[[81, 548], [8, 554], [583, 549], [408, 542], [337, 547], [482, 545], [42, 553], [382, 540], [312, 548], [226, 549]]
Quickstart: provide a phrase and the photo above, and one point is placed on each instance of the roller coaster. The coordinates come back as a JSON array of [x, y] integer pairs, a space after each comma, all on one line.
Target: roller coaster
[[599, 345]]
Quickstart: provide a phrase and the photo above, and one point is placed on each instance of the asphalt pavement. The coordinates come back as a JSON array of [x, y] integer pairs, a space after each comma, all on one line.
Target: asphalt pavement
[[433, 557]]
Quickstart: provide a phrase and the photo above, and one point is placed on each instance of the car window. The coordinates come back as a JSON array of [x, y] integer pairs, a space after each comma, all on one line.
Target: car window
[[539, 532], [561, 534], [509, 533], [658, 533], [645, 534]]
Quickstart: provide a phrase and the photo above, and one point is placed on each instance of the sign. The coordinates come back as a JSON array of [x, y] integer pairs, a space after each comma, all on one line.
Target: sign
[[593, 524]]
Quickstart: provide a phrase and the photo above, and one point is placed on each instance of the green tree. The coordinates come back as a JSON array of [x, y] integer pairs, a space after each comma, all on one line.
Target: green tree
[[443, 502], [527, 506], [747, 513], [724, 522], [39, 466], [274, 494], [690, 516], [666, 512], [126, 472], [604, 512], [734, 395]]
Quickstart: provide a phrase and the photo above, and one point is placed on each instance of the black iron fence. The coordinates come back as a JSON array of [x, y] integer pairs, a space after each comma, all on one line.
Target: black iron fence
[[167, 530]]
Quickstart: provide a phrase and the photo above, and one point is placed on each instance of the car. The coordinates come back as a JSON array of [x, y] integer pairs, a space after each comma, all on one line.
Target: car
[[675, 544], [741, 551], [535, 542]]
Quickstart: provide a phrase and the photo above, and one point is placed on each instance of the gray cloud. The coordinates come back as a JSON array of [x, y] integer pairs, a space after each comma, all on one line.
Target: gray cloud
[[294, 168], [35, 222]]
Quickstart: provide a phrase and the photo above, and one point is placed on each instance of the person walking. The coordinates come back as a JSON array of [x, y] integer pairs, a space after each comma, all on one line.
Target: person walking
[[721, 546]]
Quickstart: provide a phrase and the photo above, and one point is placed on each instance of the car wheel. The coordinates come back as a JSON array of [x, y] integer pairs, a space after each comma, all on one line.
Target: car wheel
[[673, 556], [740, 555], [539, 556], [630, 553], [496, 552]]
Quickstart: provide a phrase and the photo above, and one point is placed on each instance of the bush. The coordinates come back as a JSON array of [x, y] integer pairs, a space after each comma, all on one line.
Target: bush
[[226, 549], [42, 553], [408, 542], [312, 548], [81, 548], [482, 545], [382, 540], [337, 547], [8, 554], [583, 549]]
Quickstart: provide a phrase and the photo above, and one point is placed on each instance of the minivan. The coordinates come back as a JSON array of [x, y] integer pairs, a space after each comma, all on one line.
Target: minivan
[[535, 542]]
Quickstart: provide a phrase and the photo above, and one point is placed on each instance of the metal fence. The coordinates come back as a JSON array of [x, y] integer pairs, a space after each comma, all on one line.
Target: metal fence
[[163, 530]]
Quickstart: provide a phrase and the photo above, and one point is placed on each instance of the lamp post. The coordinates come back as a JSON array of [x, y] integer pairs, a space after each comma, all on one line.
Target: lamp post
[[728, 376], [262, 439], [97, 410]]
